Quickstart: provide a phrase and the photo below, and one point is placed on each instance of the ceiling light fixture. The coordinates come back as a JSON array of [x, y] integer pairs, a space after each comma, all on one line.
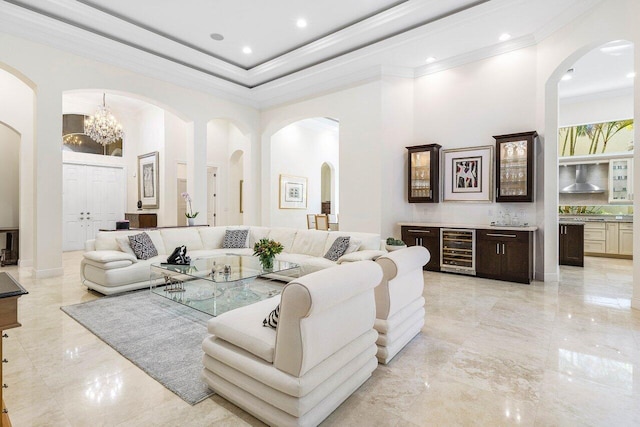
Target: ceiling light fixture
[[217, 36], [431, 60], [103, 127], [504, 37], [247, 50], [301, 23], [568, 75], [631, 75]]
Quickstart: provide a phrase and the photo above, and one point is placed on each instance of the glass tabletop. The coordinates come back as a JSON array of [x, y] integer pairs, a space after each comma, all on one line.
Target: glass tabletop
[[219, 284]]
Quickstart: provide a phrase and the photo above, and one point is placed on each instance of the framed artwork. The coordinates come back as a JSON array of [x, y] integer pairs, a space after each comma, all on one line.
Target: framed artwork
[[468, 174], [148, 180], [293, 192]]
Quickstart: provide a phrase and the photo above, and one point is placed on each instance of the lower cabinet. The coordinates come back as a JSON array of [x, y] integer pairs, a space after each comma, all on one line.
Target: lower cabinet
[[571, 242], [608, 239], [429, 237], [505, 255], [625, 239]]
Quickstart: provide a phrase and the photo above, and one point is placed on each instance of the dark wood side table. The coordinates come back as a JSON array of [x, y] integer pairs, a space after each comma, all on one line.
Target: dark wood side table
[[142, 220], [10, 291]]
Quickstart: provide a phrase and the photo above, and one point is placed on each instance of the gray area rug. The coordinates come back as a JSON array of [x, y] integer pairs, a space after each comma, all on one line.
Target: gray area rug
[[159, 336]]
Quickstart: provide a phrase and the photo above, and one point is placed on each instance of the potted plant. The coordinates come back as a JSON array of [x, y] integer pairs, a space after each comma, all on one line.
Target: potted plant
[[266, 250], [394, 244], [189, 213]]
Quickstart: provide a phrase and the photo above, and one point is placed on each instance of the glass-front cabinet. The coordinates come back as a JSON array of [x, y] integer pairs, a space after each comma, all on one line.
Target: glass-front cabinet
[[621, 181], [514, 167], [424, 173]]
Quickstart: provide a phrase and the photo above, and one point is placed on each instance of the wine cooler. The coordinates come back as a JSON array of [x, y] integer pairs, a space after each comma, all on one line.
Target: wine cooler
[[458, 251]]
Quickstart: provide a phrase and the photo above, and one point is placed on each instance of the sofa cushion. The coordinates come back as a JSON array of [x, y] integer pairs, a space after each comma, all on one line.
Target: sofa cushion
[[257, 233], [338, 248], [235, 239], [361, 256], [369, 240], [142, 246], [310, 242], [243, 328], [284, 236], [212, 237], [124, 245], [187, 236], [106, 241], [109, 256]]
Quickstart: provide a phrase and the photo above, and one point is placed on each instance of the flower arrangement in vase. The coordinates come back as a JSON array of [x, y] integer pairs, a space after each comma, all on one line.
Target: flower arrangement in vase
[[189, 213], [266, 250]]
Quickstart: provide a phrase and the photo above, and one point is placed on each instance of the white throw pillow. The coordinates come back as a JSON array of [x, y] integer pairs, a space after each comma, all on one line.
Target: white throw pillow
[[354, 245], [123, 244]]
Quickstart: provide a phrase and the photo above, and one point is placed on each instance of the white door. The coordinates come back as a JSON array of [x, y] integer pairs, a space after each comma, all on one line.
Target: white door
[[212, 190], [92, 199]]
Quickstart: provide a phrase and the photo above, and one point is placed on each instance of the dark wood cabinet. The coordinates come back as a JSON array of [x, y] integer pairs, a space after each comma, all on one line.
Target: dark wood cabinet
[[505, 255], [515, 171], [571, 239], [429, 237], [142, 220], [423, 177]]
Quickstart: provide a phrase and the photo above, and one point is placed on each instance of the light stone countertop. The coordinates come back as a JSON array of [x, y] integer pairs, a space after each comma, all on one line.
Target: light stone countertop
[[470, 226], [594, 218]]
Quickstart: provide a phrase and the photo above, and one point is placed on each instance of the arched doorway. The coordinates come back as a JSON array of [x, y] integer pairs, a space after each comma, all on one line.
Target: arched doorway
[[10, 190], [306, 151]]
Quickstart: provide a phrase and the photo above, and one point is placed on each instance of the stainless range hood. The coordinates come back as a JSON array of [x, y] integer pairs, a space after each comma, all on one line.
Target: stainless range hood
[[581, 185]]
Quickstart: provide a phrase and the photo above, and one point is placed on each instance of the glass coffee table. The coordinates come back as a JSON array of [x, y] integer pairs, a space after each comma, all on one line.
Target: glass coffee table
[[221, 283]]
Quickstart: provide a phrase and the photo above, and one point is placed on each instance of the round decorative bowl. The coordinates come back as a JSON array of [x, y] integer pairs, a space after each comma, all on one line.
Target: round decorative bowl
[[392, 248]]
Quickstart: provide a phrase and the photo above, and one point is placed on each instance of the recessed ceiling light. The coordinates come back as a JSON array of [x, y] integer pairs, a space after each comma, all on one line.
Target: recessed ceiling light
[[217, 37], [301, 23], [247, 50], [431, 59], [631, 75], [568, 75], [504, 37]]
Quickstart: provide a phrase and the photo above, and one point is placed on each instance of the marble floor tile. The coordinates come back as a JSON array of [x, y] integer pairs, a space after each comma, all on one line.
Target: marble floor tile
[[490, 353]]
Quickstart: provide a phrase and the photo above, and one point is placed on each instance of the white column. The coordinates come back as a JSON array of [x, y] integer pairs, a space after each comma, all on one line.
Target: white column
[[197, 168], [47, 178]]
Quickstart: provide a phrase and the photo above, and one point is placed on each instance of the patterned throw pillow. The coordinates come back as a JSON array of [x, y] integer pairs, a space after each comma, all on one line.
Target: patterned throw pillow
[[338, 248], [271, 320], [235, 239], [142, 246]]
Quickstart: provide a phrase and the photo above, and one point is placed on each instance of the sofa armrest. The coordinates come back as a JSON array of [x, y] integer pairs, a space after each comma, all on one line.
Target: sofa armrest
[[109, 256], [368, 254], [90, 245]]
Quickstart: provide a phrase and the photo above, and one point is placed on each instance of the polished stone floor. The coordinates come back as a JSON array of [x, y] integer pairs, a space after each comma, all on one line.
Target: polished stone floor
[[491, 353]]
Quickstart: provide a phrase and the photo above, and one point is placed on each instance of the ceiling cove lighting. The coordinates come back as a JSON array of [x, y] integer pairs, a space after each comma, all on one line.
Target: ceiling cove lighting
[[504, 37], [631, 75], [103, 127], [616, 48], [568, 75], [431, 60], [301, 23], [247, 50]]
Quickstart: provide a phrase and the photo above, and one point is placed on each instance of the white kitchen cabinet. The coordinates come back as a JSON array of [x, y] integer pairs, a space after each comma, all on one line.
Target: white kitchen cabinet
[[625, 239], [611, 245], [621, 181]]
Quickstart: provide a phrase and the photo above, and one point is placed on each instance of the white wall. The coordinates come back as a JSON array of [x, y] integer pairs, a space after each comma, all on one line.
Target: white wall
[[595, 109], [465, 107], [300, 149], [175, 143], [9, 178], [358, 109]]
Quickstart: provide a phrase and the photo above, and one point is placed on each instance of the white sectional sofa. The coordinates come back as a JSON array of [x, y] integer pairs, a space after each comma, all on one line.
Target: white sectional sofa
[[108, 269]]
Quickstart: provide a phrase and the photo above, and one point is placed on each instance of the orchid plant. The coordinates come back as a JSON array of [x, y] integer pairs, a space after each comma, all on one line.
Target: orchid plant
[[189, 213]]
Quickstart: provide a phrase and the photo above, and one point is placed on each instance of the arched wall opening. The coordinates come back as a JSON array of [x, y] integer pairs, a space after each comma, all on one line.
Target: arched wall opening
[[229, 157], [17, 123], [9, 179], [550, 188], [296, 154]]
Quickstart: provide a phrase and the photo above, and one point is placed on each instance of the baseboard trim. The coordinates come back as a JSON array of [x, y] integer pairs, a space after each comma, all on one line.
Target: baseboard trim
[[43, 274]]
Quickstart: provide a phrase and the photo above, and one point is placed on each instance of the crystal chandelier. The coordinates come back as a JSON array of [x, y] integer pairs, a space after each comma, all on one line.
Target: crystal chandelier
[[102, 127]]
